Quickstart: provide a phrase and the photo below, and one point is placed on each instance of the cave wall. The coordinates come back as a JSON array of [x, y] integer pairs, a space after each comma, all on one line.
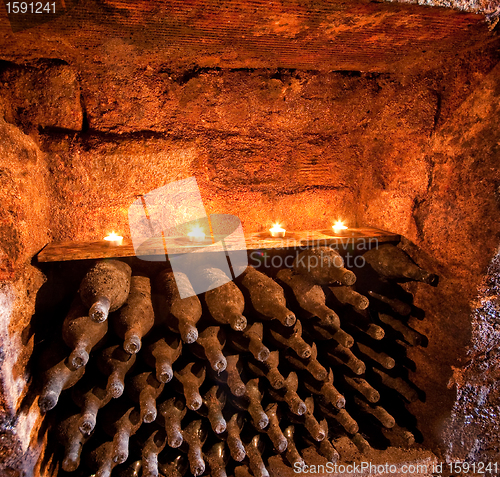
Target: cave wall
[[409, 151]]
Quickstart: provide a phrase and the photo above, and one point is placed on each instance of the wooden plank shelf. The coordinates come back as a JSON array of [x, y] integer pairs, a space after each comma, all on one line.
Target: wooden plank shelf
[[156, 247]]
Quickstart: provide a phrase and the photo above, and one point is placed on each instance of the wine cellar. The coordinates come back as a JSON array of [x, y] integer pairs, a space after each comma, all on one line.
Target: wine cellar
[[325, 301]]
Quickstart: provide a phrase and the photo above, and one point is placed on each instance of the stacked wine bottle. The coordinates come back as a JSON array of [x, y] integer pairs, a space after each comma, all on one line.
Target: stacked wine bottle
[[254, 371]]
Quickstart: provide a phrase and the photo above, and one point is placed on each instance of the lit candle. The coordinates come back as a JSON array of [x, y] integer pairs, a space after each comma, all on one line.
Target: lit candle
[[338, 227], [114, 239], [277, 231], [196, 235]]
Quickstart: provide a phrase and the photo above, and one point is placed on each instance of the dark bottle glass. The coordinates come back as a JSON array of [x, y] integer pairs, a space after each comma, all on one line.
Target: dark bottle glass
[[292, 454], [395, 304], [173, 463], [378, 412]]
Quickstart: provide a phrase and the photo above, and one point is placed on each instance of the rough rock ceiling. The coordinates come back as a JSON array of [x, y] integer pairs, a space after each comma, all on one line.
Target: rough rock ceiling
[[315, 35]]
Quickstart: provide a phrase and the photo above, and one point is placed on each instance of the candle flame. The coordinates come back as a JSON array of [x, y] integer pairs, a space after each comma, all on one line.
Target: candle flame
[[338, 226], [276, 228], [196, 233], [112, 236]]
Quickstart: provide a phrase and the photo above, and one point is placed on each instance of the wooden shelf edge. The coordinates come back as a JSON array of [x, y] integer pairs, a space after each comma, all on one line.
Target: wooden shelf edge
[[67, 250]]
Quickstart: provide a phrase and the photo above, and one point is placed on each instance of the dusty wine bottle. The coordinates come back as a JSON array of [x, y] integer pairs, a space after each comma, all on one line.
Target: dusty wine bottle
[[273, 430], [381, 358], [361, 443], [317, 430], [326, 390], [231, 375], [310, 296], [101, 461], [105, 288], [56, 376], [320, 332], [290, 337], [399, 436], [136, 317], [225, 301], [397, 384], [191, 377], [392, 262], [288, 394], [254, 397], [234, 442], [195, 436], [181, 314], [173, 463], [348, 296], [162, 354], [173, 411], [143, 389], [250, 340], [324, 447], [115, 363], [398, 306], [73, 440], [214, 401], [217, 458], [311, 364], [363, 387], [154, 444], [361, 320], [90, 399], [254, 450], [378, 412], [342, 417], [267, 297], [209, 346], [344, 356], [292, 454], [121, 421], [324, 266], [410, 335], [268, 369], [81, 333], [133, 470]]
